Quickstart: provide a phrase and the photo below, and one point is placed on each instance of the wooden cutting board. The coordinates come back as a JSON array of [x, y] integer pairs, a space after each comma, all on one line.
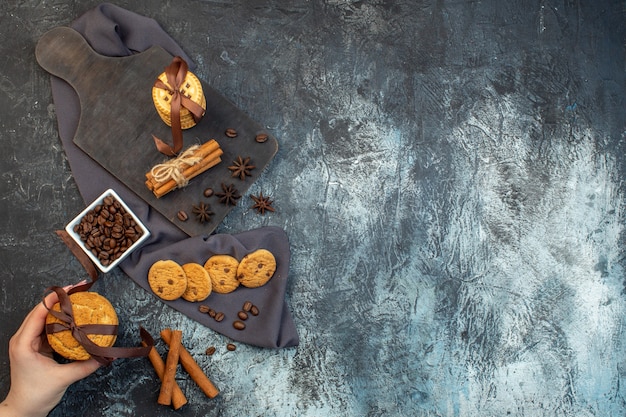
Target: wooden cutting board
[[118, 120]]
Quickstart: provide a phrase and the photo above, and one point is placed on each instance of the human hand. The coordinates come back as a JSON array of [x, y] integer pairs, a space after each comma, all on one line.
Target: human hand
[[38, 382]]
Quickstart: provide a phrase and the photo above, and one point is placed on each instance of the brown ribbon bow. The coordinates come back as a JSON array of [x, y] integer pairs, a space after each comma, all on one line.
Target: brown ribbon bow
[[176, 72], [104, 355]]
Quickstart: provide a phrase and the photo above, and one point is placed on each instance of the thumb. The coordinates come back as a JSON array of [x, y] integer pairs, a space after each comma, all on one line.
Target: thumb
[[74, 371]]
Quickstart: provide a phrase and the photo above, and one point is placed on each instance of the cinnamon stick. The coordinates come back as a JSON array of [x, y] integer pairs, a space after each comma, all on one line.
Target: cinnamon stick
[[190, 173], [167, 384], [178, 397], [202, 151], [191, 366], [209, 152]]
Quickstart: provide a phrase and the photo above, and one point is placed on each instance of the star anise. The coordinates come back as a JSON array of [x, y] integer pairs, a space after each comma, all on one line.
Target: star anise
[[262, 203], [229, 196], [203, 212], [241, 168]]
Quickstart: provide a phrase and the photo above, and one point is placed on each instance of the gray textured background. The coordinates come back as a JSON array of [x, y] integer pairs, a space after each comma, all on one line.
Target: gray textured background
[[451, 178]]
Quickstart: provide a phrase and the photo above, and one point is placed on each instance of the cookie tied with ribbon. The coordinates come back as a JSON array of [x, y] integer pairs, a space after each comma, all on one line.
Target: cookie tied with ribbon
[[83, 325], [180, 102]]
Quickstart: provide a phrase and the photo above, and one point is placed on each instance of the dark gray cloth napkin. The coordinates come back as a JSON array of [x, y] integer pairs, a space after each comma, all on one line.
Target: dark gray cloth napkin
[[114, 31]]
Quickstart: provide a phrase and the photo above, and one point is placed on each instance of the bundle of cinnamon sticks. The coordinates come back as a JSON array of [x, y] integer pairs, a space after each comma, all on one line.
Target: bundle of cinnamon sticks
[[170, 393], [177, 172]]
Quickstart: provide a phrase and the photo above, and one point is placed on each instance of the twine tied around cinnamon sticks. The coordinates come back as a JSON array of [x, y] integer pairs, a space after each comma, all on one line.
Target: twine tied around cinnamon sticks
[[177, 172], [173, 169]]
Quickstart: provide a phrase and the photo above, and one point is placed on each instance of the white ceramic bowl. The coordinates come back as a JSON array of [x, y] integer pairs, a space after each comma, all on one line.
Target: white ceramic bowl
[[121, 255]]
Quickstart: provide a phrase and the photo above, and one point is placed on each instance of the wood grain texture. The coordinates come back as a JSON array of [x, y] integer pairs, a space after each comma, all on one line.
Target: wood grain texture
[[118, 120]]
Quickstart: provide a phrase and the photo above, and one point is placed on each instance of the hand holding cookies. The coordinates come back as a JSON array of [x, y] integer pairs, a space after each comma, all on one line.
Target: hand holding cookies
[[38, 382]]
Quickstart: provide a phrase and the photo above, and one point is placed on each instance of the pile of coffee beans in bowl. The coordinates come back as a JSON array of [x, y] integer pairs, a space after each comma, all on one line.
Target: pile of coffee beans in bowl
[[107, 230]]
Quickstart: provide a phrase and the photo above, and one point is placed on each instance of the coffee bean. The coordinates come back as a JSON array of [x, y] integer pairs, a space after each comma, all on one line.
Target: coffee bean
[[261, 137], [239, 325], [210, 350], [231, 133], [208, 192], [231, 347], [219, 316], [247, 306], [242, 315], [254, 310], [212, 313], [105, 230], [204, 308], [182, 216]]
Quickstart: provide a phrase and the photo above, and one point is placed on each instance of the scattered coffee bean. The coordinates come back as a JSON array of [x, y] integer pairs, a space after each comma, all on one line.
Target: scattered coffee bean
[[182, 216], [212, 313], [261, 137], [239, 325], [208, 192], [210, 350], [108, 230], [247, 306], [204, 308], [231, 133], [231, 347], [242, 315], [254, 310], [219, 316]]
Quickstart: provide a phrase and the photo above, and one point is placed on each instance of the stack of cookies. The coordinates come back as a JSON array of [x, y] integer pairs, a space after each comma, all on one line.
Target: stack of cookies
[[220, 273], [191, 88], [87, 308]]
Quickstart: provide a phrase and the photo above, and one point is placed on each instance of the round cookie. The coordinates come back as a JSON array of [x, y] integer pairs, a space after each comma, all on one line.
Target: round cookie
[[167, 279], [191, 87], [223, 272], [87, 308], [256, 268], [186, 118], [198, 282]]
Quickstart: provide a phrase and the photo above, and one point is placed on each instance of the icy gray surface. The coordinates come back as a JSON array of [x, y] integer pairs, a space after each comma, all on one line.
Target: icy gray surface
[[450, 175]]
